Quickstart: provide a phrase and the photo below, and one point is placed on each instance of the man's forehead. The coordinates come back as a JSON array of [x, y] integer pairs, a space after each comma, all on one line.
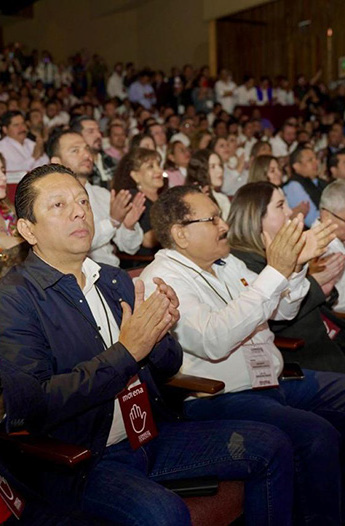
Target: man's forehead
[[89, 125], [58, 184], [201, 203], [71, 140]]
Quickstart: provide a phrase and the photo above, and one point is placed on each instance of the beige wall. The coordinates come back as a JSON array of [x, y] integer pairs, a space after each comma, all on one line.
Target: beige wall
[[159, 33], [172, 32], [69, 25]]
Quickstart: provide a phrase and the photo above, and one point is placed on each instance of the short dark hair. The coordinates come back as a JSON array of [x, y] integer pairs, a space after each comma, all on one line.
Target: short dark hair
[[26, 192], [333, 160], [170, 209], [76, 123], [296, 155], [53, 143], [8, 116]]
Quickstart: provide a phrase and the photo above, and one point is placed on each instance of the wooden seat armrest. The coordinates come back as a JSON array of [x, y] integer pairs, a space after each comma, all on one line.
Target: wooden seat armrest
[[46, 448], [288, 344], [195, 383], [340, 315]]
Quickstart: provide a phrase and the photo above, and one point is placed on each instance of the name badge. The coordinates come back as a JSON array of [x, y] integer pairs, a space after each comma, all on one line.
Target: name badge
[[260, 365], [137, 415], [14, 502]]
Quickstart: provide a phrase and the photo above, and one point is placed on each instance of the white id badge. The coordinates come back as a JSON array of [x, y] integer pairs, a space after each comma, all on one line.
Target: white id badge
[[260, 365]]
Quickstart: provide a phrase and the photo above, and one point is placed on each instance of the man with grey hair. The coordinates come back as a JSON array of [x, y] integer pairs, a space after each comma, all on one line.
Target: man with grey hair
[[332, 206]]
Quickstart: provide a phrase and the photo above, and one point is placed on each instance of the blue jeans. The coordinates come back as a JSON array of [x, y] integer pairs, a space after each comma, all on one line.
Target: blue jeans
[[312, 413], [123, 486]]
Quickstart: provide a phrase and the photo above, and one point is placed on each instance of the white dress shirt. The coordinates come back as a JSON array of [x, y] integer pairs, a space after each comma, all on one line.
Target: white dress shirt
[[19, 158], [228, 102], [280, 148], [102, 314], [220, 314], [126, 240]]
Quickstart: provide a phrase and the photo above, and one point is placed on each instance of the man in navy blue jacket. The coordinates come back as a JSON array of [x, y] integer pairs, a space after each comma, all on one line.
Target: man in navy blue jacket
[[92, 341]]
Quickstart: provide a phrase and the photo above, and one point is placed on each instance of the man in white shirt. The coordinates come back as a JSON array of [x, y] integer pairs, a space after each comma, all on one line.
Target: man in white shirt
[[103, 164], [116, 216], [21, 154], [246, 93], [115, 87], [284, 143], [225, 91], [224, 334]]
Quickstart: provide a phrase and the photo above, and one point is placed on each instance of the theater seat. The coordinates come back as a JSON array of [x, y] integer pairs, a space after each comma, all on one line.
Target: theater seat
[[220, 509]]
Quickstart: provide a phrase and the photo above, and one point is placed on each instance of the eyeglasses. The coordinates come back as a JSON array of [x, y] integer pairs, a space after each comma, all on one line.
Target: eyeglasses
[[214, 219], [334, 215]]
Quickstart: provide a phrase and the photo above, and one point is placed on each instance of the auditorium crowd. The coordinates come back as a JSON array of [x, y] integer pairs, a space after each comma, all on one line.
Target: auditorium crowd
[[231, 193]]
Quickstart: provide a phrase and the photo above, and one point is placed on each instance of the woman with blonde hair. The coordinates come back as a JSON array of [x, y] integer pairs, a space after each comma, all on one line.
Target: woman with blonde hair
[[258, 211]]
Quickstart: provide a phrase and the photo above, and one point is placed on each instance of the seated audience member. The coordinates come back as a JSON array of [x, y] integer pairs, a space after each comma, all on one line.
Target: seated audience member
[[142, 140], [332, 206], [224, 334], [116, 215], [186, 133], [247, 139], [259, 148], [261, 207], [305, 185], [200, 140], [246, 93], [115, 87], [140, 171], [336, 165], [21, 154], [220, 128], [234, 178], [159, 136], [205, 171], [12, 248], [225, 91], [266, 168], [35, 125], [202, 95], [264, 92], [284, 142], [109, 114], [53, 117], [283, 94], [106, 343], [141, 91], [117, 141], [176, 164], [103, 165]]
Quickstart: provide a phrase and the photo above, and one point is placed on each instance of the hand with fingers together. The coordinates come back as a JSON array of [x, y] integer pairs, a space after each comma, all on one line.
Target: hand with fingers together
[[282, 253], [120, 205], [329, 271], [136, 211], [150, 320], [316, 241]]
